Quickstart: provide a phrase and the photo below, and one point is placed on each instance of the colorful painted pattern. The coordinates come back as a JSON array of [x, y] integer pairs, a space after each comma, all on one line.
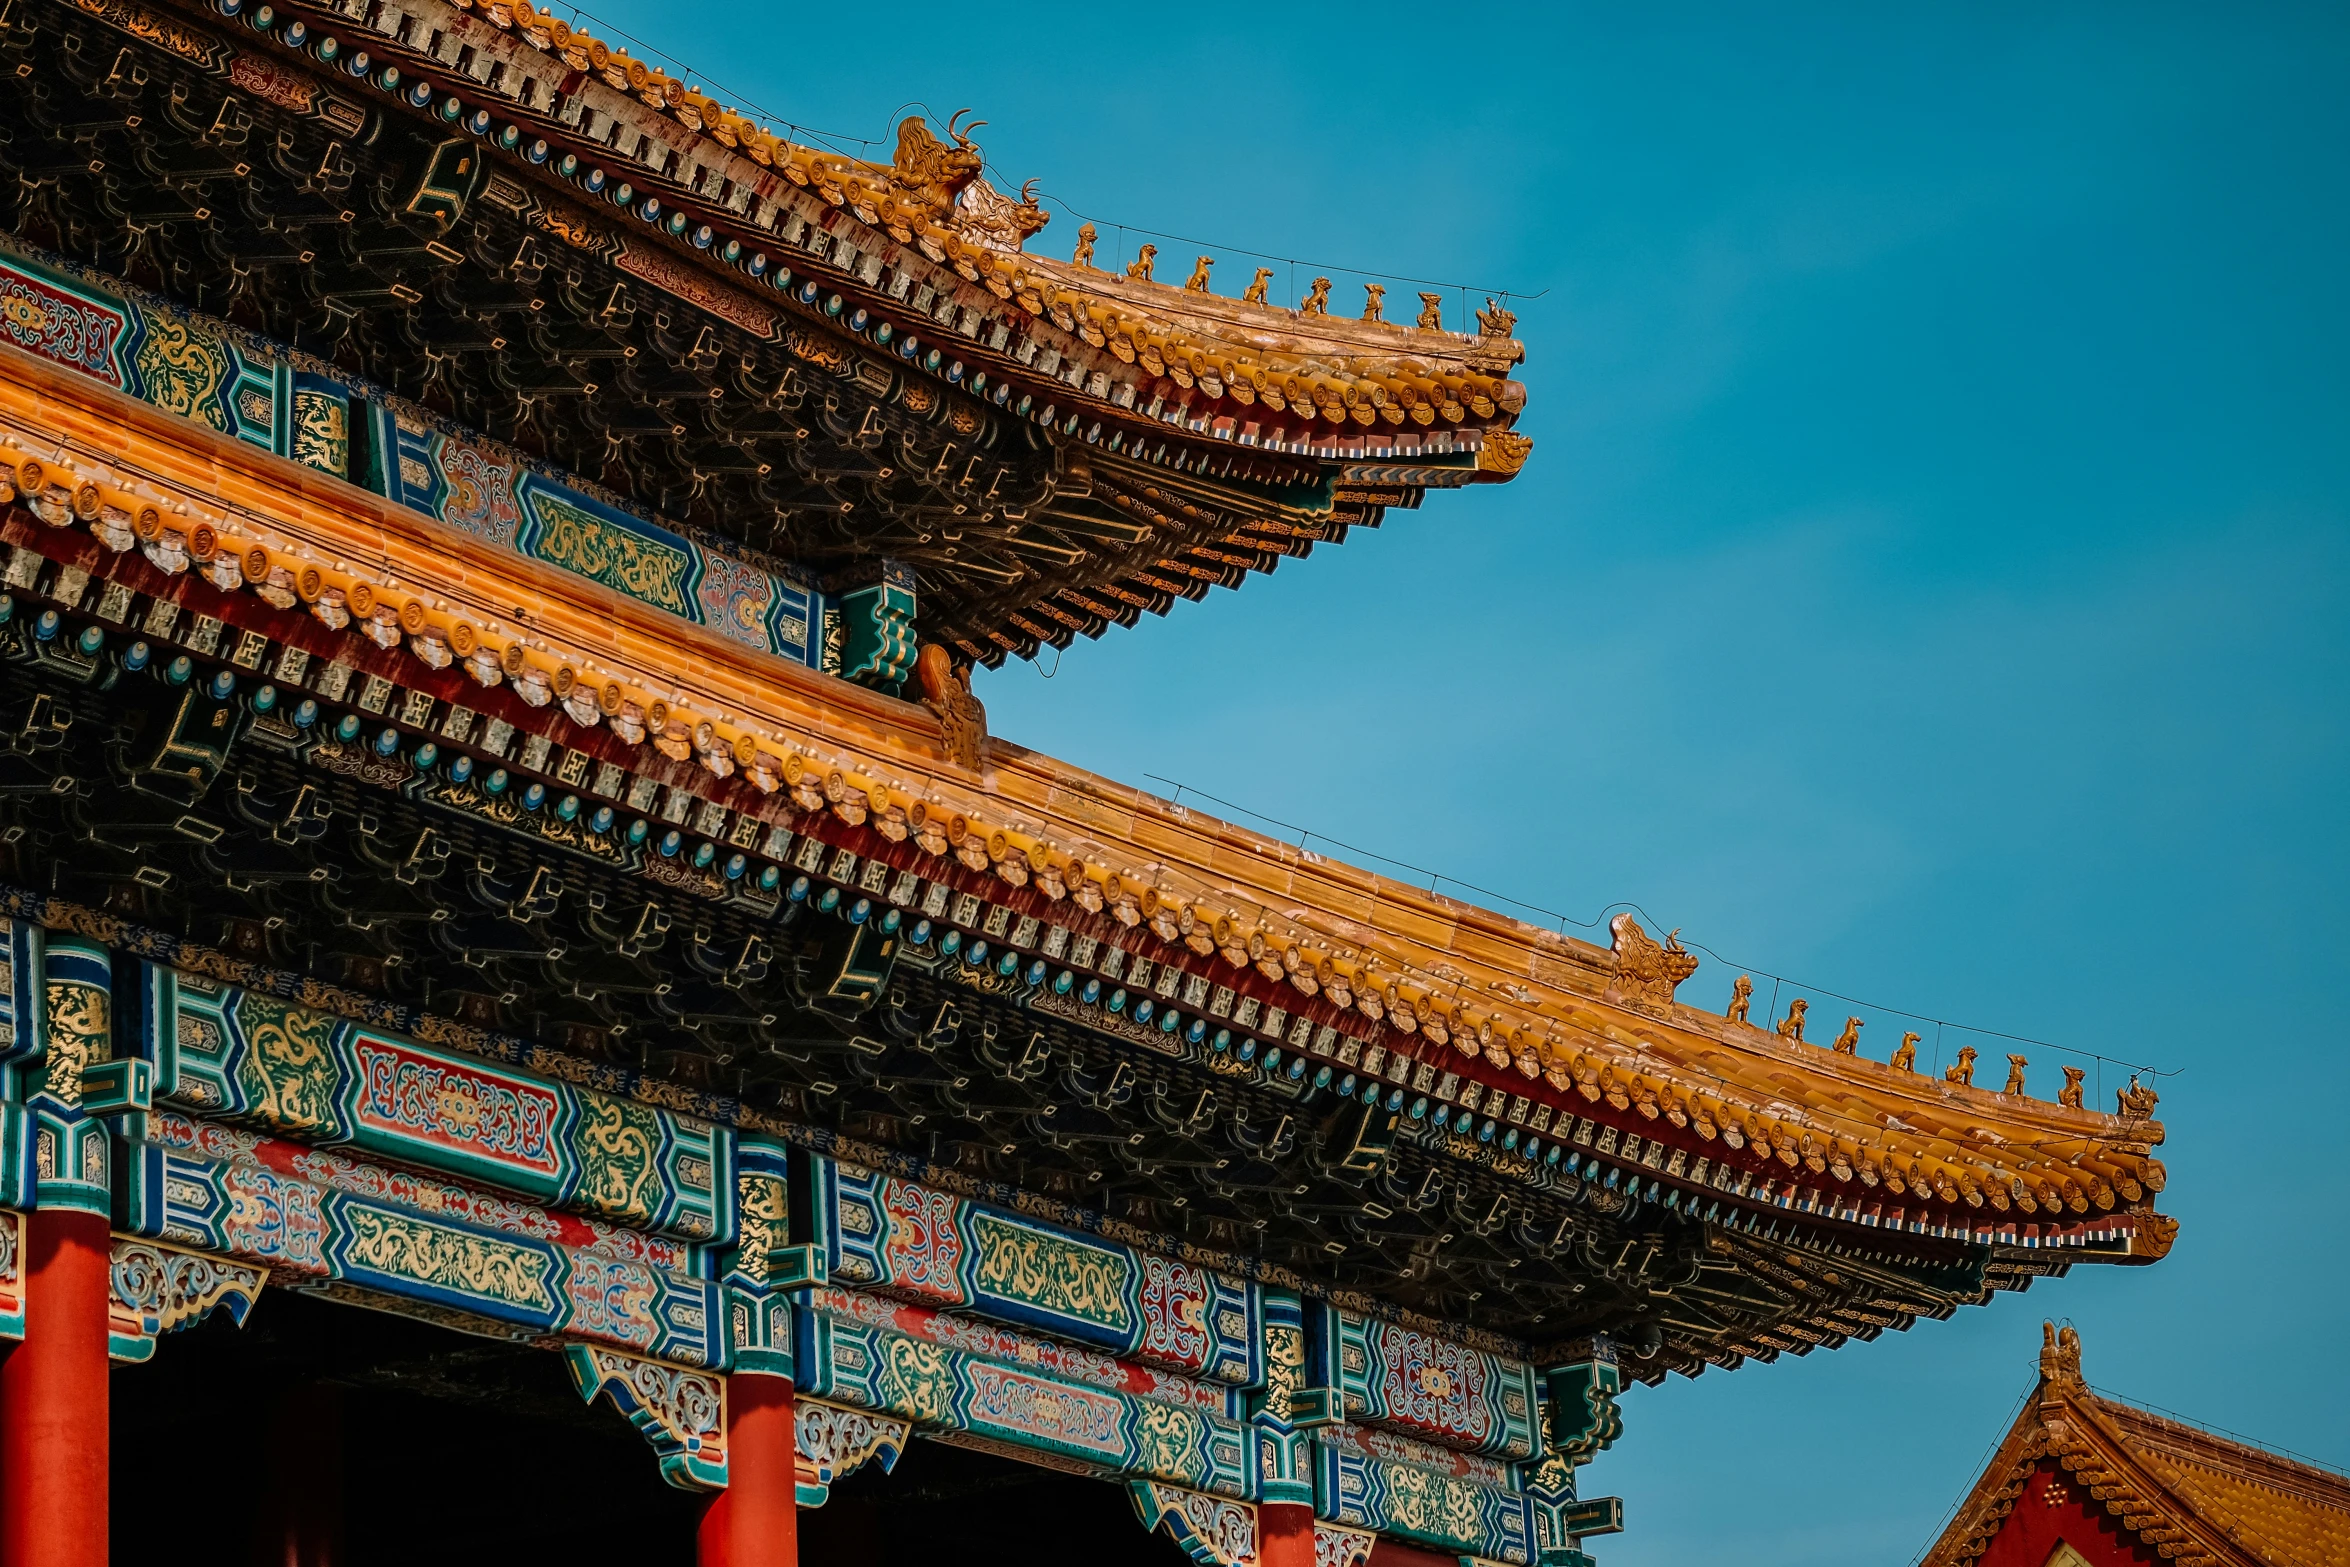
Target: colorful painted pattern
[[253, 1058], [835, 1442], [916, 1243], [972, 1336], [932, 1385], [426, 1193], [138, 344], [154, 1289], [1427, 1386], [229, 380], [303, 1213], [486, 491], [1396, 1448], [681, 1413], [1427, 1506], [12, 1271], [1212, 1530]]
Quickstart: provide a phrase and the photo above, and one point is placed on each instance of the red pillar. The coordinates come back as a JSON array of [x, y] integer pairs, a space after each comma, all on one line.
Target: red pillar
[[1285, 1534], [302, 1518], [53, 1400], [755, 1521]]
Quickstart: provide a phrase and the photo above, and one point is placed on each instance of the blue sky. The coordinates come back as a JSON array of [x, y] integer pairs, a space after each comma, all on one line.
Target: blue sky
[[1928, 583]]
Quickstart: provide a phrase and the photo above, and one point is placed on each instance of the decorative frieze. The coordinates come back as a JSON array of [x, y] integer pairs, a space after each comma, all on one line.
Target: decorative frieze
[[316, 1216], [1446, 1392], [900, 1238], [236, 1054], [1427, 1506], [943, 1389]]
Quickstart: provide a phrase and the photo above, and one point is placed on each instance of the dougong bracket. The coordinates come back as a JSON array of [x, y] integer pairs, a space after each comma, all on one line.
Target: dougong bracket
[[835, 1443], [1214, 1531], [154, 1289], [682, 1413]]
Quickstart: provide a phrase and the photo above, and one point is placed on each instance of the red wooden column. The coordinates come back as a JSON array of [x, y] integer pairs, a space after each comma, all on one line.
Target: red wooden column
[[302, 1518], [1285, 1534], [755, 1521], [53, 1400]]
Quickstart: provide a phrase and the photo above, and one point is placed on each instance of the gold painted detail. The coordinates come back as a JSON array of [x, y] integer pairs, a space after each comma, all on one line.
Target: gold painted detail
[[619, 1144], [642, 568], [1429, 1503], [917, 1382], [183, 369], [760, 1204], [322, 432], [288, 1073], [446, 1258], [1167, 1439], [1018, 1263], [77, 1037]]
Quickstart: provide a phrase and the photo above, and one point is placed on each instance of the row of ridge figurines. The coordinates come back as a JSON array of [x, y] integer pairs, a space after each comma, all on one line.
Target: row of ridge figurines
[[2133, 1102], [1492, 321]]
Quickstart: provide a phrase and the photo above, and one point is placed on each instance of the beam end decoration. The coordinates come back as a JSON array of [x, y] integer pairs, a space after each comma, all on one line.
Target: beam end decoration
[[1584, 1419], [154, 1289], [1214, 1531], [20, 1044], [1284, 1452], [70, 1147], [877, 625], [835, 1442], [681, 1413], [762, 1331]]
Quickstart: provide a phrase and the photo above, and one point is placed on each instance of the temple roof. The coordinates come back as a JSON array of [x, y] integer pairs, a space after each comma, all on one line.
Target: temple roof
[[2186, 1494], [851, 365], [932, 195], [535, 238], [1853, 1150]]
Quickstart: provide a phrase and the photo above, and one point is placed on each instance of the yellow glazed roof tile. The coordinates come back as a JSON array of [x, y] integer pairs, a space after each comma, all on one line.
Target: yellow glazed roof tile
[[1546, 1016]]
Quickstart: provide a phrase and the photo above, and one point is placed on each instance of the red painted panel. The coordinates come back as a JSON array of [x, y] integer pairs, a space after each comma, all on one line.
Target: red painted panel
[[1394, 1553], [2054, 1510], [53, 1400], [1285, 1535]]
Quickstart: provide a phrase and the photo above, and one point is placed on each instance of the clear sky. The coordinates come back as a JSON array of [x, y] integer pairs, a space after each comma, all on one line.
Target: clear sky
[[1929, 581]]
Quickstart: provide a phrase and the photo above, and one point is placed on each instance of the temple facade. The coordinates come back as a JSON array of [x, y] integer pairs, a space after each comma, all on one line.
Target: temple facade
[[514, 930]]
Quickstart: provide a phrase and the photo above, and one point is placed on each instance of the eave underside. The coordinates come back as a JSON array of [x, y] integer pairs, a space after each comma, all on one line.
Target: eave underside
[[298, 860], [755, 416]]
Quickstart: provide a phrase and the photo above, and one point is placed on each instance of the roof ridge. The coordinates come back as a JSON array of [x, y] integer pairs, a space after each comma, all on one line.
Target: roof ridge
[[2158, 1495], [2230, 1443]]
